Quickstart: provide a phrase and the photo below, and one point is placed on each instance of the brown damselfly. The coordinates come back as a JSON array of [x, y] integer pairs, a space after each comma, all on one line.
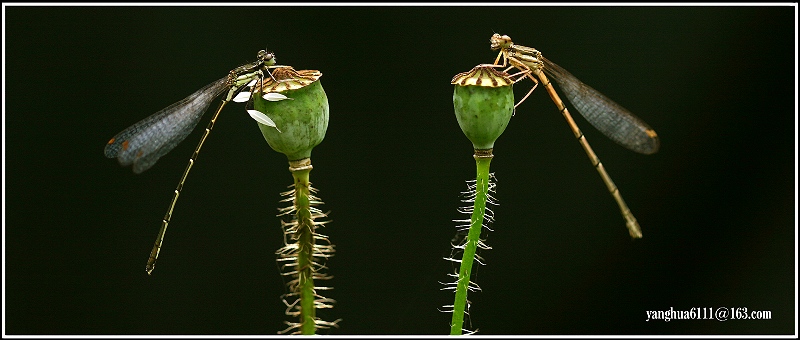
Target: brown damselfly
[[613, 120]]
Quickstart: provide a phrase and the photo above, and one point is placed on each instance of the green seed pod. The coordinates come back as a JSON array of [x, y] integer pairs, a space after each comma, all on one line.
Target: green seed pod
[[484, 102], [298, 107]]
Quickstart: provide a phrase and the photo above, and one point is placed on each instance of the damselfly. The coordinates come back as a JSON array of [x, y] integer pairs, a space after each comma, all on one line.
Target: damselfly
[[143, 143], [613, 120]]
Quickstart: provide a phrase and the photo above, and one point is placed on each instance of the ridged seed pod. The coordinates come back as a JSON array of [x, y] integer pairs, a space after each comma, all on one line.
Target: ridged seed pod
[[301, 120], [484, 102]]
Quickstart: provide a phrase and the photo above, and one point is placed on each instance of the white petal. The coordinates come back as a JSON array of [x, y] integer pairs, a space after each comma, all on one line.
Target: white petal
[[252, 82], [262, 118], [242, 97], [274, 96]]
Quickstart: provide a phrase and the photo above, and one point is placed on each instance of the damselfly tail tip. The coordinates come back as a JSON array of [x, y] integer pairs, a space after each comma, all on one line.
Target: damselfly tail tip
[[634, 229]]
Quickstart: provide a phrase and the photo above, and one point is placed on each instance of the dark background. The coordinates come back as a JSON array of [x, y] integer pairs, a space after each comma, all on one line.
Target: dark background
[[716, 203]]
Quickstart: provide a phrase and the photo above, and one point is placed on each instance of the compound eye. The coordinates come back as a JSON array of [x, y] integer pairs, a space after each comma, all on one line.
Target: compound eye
[[264, 55]]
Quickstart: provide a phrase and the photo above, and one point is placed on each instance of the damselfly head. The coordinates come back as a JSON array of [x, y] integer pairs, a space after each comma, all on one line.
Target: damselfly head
[[500, 41], [268, 58]]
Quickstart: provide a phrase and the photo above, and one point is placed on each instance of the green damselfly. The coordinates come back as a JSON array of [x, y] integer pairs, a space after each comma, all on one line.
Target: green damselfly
[[143, 143]]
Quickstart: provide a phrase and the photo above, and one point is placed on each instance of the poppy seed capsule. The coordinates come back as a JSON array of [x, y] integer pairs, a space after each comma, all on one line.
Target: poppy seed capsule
[[483, 100], [301, 119]]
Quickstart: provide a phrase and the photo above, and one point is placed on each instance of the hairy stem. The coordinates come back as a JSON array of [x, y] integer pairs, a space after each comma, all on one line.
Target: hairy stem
[[305, 252], [473, 238], [304, 255]]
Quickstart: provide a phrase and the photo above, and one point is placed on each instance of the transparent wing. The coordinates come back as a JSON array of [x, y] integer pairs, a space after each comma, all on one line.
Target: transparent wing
[[143, 143], [613, 120]]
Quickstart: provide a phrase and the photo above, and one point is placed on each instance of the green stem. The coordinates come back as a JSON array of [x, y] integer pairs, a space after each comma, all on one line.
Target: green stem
[[476, 224], [305, 243]]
